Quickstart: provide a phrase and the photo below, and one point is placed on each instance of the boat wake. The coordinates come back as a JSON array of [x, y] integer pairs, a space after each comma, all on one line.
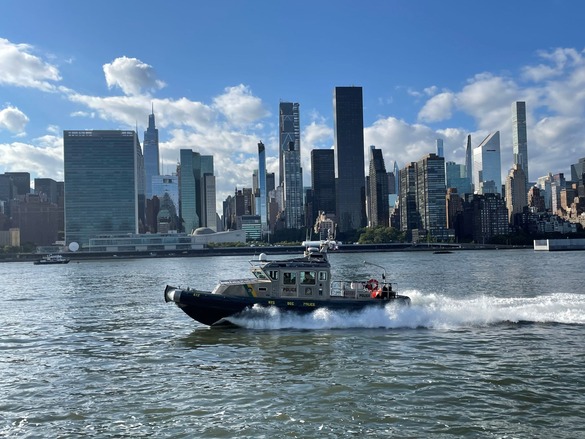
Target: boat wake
[[432, 311]]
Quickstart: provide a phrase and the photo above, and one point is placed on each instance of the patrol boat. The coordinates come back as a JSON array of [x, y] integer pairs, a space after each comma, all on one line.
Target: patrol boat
[[299, 285]]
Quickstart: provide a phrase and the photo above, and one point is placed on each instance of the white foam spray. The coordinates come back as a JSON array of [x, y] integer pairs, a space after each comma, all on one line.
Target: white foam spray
[[429, 311]]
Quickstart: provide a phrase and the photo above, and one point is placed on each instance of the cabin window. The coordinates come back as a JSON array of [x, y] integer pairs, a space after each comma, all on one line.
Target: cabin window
[[273, 274], [322, 275], [308, 277], [260, 274], [289, 278]]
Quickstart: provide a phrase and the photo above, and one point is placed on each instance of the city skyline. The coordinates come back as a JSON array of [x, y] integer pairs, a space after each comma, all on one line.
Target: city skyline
[[59, 71]]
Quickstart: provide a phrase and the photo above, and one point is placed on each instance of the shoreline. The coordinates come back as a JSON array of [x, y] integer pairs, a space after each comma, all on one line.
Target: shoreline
[[269, 250]]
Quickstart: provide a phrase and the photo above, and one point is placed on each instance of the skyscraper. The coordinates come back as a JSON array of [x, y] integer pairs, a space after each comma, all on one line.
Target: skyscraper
[[409, 216], [440, 149], [262, 186], [379, 208], [349, 158], [291, 175], [151, 155], [102, 179], [323, 181], [431, 193], [516, 193], [487, 170], [469, 161], [519, 137], [197, 191]]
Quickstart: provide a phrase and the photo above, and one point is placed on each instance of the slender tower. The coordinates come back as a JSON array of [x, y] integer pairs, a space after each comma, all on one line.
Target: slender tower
[[469, 162], [151, 154], [519, 138]]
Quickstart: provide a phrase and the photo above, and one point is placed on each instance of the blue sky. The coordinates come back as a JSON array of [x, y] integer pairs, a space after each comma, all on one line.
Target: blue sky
[[216, 71]]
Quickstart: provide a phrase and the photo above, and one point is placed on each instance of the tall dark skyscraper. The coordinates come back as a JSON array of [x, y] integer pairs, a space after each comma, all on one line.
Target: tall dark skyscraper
[[349, 158], [379, 209], [103, 193], [519, 137], [469, 161], [323, 181], [291, 175], [151, 154]]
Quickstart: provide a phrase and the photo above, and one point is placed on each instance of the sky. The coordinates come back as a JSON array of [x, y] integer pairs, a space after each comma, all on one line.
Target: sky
[[215, 72]]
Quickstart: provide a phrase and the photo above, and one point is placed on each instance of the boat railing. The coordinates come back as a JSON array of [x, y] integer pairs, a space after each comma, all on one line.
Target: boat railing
[[350, 289], [246, 280]]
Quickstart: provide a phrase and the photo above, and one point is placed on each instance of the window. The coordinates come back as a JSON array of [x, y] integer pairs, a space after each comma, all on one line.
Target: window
[[308, 277], [322, 275], [289, 278], [273, 274]]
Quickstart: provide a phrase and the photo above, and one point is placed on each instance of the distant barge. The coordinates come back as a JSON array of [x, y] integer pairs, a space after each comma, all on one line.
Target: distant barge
[[559, 244]]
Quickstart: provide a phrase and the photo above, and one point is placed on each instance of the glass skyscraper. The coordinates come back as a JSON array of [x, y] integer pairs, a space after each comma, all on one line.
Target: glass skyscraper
[[197, 191], [323, 181], [379, 207], [262, 186], [291, 174], [487, 168], [151, 155], [519, 137], [102, 184], [431, 194], [349, 158]]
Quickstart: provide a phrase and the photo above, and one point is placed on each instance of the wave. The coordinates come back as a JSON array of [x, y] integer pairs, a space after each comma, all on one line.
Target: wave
[[433, 311]]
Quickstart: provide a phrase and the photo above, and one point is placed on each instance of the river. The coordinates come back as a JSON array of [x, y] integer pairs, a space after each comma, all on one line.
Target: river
[[493, 346]]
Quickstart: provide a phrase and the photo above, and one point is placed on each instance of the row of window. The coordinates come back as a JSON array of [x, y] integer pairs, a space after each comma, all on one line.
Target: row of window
[[305, 277]]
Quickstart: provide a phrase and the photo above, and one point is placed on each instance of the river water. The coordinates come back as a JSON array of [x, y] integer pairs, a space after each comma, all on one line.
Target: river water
[[493, 346]]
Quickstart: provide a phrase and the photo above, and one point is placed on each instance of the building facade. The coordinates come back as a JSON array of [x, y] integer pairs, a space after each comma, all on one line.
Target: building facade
[[487, 169], [349, 158], [197, 191], [151, 155], [516, 193], [520, 138], [431, 195], [291, 174], [323, 182], [379, 208], [102, 184]]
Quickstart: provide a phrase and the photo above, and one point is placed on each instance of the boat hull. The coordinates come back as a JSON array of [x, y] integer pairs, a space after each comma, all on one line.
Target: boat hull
[[212, 309]]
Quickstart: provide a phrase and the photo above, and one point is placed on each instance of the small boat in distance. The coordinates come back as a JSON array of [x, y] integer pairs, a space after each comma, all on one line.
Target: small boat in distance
[[52, 259], [300, 285]]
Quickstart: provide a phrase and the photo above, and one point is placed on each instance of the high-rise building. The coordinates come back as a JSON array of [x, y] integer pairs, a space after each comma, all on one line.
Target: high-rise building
[[456, 177], [151, 155], [519, 137], [396, 178], [409, 215], [102, 184], [21, 181], [544, 184], [379, 208], [469, 162], [166, 184], [323, 182], [263, 205], [440, 149], [487, 172], [197, 191], [557, 184], [349, 158], [431, 193], [291, 173], [516, 193], [47, 188]]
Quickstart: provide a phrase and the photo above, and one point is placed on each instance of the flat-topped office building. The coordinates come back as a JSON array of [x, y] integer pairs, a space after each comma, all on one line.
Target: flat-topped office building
[[104, 178]]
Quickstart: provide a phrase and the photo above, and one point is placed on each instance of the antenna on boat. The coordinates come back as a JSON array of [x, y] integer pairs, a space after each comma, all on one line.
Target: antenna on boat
[[379, 266]]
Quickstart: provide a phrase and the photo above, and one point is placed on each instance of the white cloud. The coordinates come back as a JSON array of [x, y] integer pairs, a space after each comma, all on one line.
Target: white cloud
[[13, 120], [240, 106], [18, 67], [41, 158], [132, 76], [438, 108]]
